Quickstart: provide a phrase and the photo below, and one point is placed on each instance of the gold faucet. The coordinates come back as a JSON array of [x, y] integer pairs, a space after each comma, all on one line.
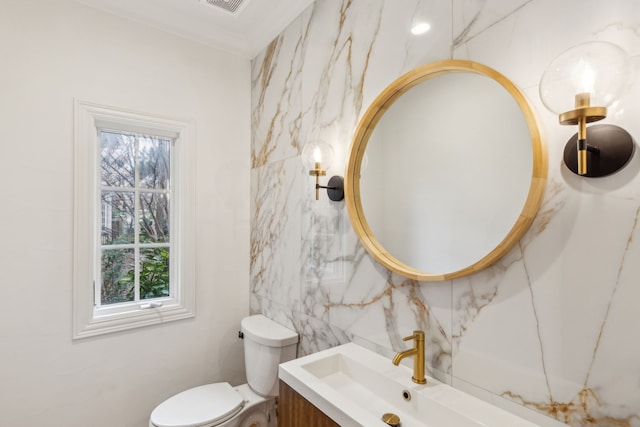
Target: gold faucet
[[418, 356]]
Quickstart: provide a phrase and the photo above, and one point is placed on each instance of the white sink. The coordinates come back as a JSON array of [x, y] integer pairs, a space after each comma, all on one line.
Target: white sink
[[355, 387]]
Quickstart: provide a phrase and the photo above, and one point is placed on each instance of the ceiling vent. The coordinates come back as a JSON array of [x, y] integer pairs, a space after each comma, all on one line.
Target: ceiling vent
[[231, 6]]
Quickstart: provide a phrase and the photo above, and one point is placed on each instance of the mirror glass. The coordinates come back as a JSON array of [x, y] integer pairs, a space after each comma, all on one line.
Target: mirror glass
[[456, 170]]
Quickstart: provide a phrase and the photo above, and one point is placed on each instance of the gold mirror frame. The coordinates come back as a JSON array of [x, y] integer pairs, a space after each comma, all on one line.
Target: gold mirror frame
[[361, 138]]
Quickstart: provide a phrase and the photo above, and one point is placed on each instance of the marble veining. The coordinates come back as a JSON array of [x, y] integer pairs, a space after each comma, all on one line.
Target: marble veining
[[547, 331], [275, 125], [339, 63], [613, 294], [467, 32], [551, 204], [585, 409]]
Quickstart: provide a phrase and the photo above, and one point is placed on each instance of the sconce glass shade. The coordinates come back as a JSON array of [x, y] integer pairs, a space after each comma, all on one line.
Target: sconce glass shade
[[317, 152], [600, 69]]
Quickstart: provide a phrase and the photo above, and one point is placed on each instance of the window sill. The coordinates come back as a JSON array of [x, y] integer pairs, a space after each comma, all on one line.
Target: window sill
[[114, 322]]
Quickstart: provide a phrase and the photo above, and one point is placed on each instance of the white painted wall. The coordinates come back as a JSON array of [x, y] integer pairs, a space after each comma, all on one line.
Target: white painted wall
[[52, 51]]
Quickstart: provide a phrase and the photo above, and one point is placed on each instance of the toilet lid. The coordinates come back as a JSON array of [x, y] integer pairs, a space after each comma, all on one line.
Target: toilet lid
[[198, 406]]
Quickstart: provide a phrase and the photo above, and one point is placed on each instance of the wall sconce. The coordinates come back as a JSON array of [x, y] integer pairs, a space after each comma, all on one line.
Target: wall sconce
[[579, 85], [317, 157]]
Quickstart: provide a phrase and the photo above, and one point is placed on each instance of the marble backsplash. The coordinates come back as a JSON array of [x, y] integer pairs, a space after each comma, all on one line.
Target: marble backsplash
[[548, 331]]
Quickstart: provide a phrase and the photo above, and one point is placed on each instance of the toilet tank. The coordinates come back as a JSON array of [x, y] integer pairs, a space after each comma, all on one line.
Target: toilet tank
[[266, 345]]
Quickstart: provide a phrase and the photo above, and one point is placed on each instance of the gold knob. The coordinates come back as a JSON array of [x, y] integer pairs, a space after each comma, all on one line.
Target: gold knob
[[392, 419]]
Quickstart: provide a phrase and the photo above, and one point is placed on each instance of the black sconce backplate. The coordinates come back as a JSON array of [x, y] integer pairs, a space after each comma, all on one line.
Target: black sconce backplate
[[610, 149], [335, 188]]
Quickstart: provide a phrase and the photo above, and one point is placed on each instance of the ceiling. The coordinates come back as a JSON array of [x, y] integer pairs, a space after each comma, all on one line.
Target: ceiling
[[245, 32]]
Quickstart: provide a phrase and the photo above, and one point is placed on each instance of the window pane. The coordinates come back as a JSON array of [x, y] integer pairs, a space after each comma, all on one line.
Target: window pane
[[118, 276], [153, 163], [117, 159], [154, 218], [154, 273], [118, 221]]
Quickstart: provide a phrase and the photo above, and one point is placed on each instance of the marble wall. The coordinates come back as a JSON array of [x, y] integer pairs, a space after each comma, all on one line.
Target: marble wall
[[549, 331]]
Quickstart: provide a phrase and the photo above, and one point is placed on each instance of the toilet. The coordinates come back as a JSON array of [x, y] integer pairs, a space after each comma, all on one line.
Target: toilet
[[266, 345]]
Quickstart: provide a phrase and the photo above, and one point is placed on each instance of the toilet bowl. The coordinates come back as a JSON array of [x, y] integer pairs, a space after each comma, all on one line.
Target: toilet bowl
[[266, 344], [210, 405]]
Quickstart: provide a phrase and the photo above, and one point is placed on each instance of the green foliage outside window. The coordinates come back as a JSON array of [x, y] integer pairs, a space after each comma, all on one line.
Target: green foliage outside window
[[154, 275]]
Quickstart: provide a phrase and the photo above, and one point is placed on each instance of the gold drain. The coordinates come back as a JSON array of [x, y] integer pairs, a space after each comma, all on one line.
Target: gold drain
[[392, 419]]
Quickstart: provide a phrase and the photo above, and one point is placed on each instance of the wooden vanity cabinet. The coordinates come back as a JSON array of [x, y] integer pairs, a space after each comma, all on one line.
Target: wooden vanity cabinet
[[296, 411]]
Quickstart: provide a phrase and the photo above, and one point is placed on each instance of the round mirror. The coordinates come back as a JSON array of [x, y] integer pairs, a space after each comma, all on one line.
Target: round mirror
[[456, 171]]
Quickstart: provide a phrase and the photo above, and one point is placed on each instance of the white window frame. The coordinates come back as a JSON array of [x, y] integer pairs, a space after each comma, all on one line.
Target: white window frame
[[89, 319]]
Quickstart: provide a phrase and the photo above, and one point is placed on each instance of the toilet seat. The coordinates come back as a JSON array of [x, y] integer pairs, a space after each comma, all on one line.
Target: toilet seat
[[206, 405]]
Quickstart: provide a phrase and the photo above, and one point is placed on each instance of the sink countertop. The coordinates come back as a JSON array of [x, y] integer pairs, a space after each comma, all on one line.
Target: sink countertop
[[354, 386]]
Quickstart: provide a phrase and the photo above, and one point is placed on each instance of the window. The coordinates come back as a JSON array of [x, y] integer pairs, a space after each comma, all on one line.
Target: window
[[133, 242]]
